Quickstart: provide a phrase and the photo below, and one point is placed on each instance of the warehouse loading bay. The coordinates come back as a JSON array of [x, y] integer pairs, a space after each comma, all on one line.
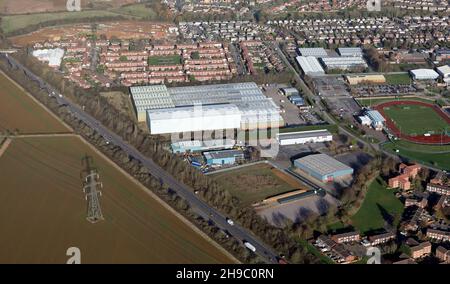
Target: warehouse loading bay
[[292, 114]]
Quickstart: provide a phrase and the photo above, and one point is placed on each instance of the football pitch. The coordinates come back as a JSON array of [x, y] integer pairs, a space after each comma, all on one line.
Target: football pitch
[[416, 119]]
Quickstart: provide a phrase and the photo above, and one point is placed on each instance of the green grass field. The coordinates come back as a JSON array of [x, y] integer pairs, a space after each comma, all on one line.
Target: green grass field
[[397, 79], [415, 119], [164, 60], [436, 156], [380, 206], [17, 22], [364, 102], [136, 10], [255, 183]]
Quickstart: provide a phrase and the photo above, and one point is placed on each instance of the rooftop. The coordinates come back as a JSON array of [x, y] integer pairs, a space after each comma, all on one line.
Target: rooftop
[[303, 134], [223, 154], [323, 164]]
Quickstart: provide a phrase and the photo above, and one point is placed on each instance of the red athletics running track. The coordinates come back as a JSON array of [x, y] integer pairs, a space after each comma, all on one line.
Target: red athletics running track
[[433, 139]]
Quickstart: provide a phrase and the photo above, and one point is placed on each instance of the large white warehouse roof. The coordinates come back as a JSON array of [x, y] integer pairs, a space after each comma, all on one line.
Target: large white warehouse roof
[[315, 52], [310, 65], [424, 74]]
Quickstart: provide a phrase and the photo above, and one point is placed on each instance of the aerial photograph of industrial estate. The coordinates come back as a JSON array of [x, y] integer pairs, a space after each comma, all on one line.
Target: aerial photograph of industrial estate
[[225, 132]]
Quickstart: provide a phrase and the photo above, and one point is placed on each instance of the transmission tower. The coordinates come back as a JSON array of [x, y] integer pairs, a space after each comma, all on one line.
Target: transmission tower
[[90, 189]]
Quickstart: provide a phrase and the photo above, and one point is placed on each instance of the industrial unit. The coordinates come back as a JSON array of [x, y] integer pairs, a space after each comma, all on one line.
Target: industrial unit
[[310, 65], [289, 91], [195, 118], [323, 167], [343, 63], [314, 52], [52, 56], [365, 79], [226, 157], [424, 74], [297, 100], [350, 51], [303, 137], [444, 72], [182, 147], [163, 107]]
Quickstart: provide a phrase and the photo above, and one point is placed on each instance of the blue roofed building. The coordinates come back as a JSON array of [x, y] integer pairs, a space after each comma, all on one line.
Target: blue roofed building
[[225, 157], [377, 120], [323, 167]]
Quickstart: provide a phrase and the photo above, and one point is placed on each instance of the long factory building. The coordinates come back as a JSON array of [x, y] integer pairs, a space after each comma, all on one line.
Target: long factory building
[[202, 108]]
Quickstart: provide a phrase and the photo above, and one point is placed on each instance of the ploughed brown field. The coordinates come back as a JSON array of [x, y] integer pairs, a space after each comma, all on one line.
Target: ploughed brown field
[[43, 212], [19, 111], [43, 208]]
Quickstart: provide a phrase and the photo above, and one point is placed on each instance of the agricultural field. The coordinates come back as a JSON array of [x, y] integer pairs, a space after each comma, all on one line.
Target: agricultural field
[[39, 6], [379, 207], [416, 119], [41, 196], [432, 155], [398, 79], [20, 112], [254, 183], [164, 60]]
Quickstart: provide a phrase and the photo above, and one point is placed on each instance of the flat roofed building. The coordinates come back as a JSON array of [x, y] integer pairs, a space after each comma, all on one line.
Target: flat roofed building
[[289, 91], [350, 51], [424, 74], [193, 118], [444, 71], [226, 157], [343, 63], [314, 51], [256, 110], [303, 137], [365, 79], [52, 56], [199, 146], [323, 167], [310, 65]]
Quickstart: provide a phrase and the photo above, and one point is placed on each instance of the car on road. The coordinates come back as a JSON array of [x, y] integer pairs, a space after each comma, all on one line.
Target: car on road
[[230, 222]]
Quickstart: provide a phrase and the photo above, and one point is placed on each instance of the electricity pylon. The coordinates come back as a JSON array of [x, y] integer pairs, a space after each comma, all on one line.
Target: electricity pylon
[[90, 189]]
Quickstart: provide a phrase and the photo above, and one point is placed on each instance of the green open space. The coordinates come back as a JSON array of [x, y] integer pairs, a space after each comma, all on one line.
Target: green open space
[[254, 183], [365, 102], [416, 119], [16, 22], [379, 207], [398, 79], [431, 155], [164, 60]]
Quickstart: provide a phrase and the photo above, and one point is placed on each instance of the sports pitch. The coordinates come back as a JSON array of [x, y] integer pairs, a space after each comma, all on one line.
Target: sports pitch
[[416, 119]]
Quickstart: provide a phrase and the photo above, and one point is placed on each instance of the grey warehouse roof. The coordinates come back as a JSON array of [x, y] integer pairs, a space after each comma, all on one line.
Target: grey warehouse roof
[[322, 164], [223, 154], [303, 134]]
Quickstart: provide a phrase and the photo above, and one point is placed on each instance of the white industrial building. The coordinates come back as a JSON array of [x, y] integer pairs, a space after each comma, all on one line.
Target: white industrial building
[[424, 74], [52, 56], [158, 105], [303, 137], [364, 120], [193, 118], [310, 65], [343, 63], [444, 72], [350, 51], [317, 52]]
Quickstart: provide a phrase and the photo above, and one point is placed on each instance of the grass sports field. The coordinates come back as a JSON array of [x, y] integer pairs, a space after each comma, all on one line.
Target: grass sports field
[[416, 119], [432, 155], [380, 206], [164, 60], [41, 196], [398, 79], [254, 183], [19, 111]]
